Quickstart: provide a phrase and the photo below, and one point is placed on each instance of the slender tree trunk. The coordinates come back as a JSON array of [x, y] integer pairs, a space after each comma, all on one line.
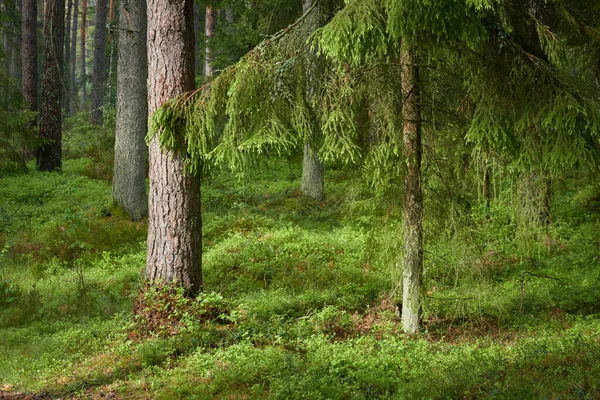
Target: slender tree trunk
[[17, 44], [129, 178], [313, 182], [209, 28], [487, 193], [67, 52], [174, 223], [413, 198], [197, 63], [82, 56], [29, 56], [73, 64], [49, 157], [99, 71]]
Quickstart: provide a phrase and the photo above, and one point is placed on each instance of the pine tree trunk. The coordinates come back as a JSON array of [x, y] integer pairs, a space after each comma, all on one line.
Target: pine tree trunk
[[67, 52], [29, 56], [129, 178], [487, 192], [99, 71], [209, 28], [174, 223], [73, 64], [82, 56], [16, 58], [49, 157], [313, 182], [413, 198]]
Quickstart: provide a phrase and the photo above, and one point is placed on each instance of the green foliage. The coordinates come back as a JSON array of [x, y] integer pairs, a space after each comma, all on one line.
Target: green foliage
[[303, 304], [81, 139]]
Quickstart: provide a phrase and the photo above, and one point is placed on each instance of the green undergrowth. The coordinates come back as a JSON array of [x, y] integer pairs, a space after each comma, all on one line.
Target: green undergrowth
[[301, 297]]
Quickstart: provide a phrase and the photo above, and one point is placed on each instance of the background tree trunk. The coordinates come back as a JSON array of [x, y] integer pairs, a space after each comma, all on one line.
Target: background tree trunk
[[413, 198], [49, 157], [174, 223], [82, 56], [73, 64], [29, 56], [313, 183], [67, 61], [209, 28], [129, 178], [99, 72]]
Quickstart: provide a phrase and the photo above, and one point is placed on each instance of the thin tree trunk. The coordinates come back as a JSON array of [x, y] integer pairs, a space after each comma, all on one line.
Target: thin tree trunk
[[29, 56], [67, 52], [73, 64], [487, 193], [49, 157], [82, 56], [16, 59], [209, 28], [413, 198], [174, 223], [129, 178], [99, 70], [313, 182], [197, 63]]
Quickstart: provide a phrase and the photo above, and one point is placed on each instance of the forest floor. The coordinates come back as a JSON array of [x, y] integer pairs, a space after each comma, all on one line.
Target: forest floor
[[300, 298]]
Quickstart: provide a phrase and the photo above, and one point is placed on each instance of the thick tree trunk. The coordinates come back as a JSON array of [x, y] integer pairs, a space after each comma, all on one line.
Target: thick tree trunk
[[29, 56], [99, 71], [413, 198], [313, 182], [73, 64], [209, 28], [129, 178], [49, 157], [174, 223], [82, 67]]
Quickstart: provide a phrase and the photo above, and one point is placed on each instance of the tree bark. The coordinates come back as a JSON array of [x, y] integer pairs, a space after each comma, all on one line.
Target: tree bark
[[313, 182], [413, 198], [99, 72], [67, 52], [49, 157], [174, 223], [29, 56], [209, 28], [487, 192], [82, 67], [73, 64], [129, 177]]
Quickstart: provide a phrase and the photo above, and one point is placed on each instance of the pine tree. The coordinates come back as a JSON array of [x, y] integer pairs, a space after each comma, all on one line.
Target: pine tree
[[129, 177], [99, 71], [175, 223], [49, 155]]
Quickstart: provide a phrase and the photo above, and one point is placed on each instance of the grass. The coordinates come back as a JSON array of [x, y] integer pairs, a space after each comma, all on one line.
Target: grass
[[300, 297]]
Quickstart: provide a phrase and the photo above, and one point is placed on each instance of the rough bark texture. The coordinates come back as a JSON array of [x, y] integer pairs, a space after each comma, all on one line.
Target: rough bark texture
[[413, 198], [129, 177], [313, 183], [49, 157], [29, 55], [209, 28], [83, 54], [99, 72], [73, 61], [174, 223]]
